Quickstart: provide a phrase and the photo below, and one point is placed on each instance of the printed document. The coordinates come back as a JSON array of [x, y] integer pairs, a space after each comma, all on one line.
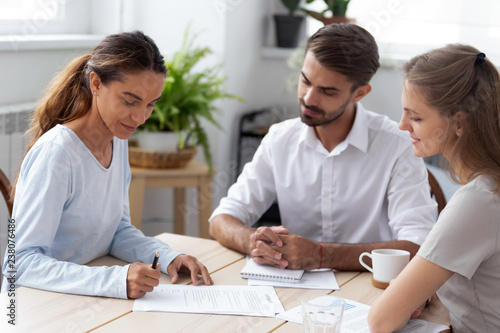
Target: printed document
[[259, 301], [355, 320]]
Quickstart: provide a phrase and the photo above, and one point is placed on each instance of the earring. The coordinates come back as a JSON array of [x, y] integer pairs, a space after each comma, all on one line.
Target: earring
[[458, 134]]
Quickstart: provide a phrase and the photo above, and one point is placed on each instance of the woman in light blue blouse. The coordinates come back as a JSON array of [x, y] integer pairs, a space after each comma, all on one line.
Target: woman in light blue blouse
[[71, 201]]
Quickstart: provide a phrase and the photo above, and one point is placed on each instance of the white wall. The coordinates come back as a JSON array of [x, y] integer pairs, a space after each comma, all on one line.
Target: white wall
[[259, 80], [24, 74], [387, 86]]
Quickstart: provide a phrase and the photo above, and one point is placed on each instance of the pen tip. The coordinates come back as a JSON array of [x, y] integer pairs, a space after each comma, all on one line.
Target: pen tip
[[157, 254]]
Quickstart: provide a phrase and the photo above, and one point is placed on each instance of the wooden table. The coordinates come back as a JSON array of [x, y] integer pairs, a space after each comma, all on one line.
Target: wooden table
[[43, 311], [195, 174]]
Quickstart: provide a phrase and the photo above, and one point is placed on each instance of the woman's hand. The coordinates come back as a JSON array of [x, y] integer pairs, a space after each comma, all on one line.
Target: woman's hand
[[188, 264], [141, 279], [416, 314]]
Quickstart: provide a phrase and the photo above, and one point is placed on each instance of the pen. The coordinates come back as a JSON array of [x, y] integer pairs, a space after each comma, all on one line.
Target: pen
[[155, 260]]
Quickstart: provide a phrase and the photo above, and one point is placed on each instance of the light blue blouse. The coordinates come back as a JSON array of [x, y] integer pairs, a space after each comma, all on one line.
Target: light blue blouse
[[69, 210]]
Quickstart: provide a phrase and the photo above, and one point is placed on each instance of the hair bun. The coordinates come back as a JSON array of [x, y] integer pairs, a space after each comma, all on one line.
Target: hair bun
[[480, 58]]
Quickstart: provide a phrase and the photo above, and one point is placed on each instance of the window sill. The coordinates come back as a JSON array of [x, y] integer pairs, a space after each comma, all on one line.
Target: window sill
[[16, 43], [270, 52], [17, 108], [387, 60]]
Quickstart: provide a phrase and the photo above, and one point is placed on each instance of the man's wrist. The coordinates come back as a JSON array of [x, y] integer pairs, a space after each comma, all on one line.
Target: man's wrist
[[331, 251]]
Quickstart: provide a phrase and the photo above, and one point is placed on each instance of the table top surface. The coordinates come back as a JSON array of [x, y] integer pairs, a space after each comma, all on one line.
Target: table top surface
[[44, 311]]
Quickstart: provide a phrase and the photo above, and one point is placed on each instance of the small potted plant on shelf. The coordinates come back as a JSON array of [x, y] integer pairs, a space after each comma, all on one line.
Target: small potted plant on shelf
[[335, 12], [188, 98], [288, 26]]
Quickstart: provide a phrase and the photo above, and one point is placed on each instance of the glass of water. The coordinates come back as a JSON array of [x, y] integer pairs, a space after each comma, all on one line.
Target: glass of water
[[322, 313]]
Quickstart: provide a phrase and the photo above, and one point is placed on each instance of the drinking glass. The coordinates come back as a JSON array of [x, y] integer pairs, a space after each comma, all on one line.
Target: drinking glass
[[322, 313]]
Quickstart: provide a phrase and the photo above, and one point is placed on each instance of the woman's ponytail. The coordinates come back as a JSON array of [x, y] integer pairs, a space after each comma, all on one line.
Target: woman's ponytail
[[67, 97]]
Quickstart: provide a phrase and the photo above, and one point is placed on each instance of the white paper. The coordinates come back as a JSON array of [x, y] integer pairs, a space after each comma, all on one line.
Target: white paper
[[355, 320], [422, 326], [314, 279], [259, 301]]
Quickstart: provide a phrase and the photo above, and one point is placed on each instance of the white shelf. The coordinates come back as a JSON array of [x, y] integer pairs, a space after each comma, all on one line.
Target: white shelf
[[14, 43], [16, 108], [276, 52]]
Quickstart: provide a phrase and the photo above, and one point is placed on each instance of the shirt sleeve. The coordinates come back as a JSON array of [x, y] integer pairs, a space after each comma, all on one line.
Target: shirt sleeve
[[411, 210], [466, 233], [43, 190], [254, 191]]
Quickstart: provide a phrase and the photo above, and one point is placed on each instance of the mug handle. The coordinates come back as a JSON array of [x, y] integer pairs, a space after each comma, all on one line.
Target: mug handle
[[363, 263]]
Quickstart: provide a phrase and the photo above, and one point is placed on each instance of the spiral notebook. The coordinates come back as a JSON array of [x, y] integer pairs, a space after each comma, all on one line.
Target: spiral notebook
[[264, 272]]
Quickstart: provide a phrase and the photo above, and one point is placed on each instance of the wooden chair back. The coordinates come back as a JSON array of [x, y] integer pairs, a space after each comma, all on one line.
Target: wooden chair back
[[437, 192], [5, 188]]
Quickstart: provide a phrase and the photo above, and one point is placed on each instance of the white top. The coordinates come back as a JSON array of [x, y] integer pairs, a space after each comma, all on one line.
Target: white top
[[466, 240], [69, 210], [370, 188]]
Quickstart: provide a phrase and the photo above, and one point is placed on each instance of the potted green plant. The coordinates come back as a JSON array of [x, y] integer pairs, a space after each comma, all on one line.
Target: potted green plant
[[288, 26], [188, 98], [335, 12]]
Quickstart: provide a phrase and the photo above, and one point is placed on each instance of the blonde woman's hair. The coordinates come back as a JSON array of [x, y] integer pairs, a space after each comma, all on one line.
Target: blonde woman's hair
[[458, 78]]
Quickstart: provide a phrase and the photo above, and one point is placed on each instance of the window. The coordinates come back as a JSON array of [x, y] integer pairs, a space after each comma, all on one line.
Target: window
[[38, 17], [30, 9], [410, 27]]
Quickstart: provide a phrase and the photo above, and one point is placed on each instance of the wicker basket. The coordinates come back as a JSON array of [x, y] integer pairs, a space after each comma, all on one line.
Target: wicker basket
[[160, 160]]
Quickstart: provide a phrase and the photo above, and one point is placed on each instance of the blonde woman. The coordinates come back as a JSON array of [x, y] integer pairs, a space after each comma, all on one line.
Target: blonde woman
[[451, 102]]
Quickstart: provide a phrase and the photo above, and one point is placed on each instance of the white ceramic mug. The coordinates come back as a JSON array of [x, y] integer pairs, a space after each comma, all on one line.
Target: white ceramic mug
[[387, 263]]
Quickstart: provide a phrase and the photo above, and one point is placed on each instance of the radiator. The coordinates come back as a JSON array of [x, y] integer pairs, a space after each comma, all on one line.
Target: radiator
[[14, 121]]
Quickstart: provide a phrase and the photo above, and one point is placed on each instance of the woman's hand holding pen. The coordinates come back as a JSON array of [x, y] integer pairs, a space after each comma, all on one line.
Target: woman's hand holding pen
[[188, 264], [141, 279]]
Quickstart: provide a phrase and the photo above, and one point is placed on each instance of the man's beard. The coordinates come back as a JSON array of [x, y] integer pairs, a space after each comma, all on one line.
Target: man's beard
[[328, 117]]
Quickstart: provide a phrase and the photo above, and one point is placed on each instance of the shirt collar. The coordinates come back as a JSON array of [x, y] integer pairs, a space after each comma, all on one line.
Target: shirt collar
[[308, 137], [357, 137]]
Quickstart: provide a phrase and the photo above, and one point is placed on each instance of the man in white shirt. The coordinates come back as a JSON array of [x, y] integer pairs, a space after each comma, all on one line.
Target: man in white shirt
[[345, 179]]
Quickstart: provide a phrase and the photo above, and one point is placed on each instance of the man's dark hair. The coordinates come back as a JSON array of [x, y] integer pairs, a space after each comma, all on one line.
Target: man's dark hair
[[348, 49]]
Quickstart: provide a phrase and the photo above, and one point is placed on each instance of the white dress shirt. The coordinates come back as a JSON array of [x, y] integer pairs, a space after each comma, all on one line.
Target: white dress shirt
[[370, 188]]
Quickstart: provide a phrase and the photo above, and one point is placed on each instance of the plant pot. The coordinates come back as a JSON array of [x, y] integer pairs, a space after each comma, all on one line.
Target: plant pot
[[160, 159], [157, 141], [287, 30]]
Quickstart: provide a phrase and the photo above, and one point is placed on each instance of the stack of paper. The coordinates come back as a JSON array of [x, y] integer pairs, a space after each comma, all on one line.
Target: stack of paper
[[240, 300], [315, 279], [269, 273], [263, 275]]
